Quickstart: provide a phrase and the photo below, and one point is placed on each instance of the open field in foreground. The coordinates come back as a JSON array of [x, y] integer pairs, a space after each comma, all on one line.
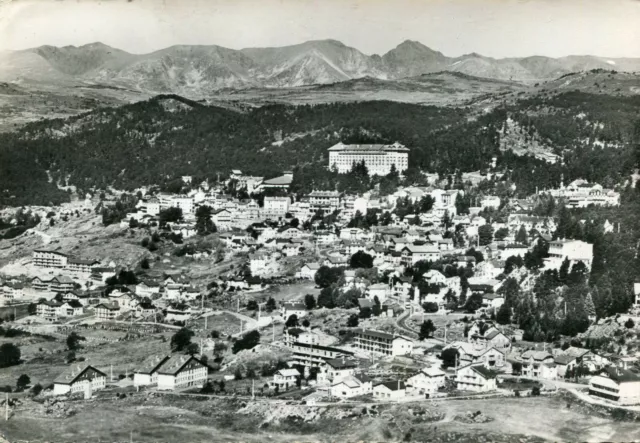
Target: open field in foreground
[[170, 418]]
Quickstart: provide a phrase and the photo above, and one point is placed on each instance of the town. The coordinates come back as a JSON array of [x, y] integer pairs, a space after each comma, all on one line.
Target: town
[[421, 293]]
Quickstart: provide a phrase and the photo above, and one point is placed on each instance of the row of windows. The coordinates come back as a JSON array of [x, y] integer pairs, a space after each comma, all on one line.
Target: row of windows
[[604, 388]]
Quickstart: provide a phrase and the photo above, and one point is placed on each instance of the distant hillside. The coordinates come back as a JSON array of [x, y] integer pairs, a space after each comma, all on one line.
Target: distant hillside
[[153, 141], [201, 69]]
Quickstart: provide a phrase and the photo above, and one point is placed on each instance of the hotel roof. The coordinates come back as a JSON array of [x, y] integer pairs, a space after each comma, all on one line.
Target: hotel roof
[[374, 147]]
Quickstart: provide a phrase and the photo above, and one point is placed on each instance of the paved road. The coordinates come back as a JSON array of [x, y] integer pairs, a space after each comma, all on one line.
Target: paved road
[[401, 323], [557, 383]]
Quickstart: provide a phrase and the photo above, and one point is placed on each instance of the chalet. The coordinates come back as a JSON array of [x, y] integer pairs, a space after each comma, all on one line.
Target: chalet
[[60, 283], [292, 308], [78, 378], [70, 309], [147, 288], [285, 378], [48, 310], [181, 371], [379, 290], [145, 309], [411, 254], [178, 312], [475, 378], [101, 274], [390, 390], [289, 232], [107, 311], [538, 364], [335, 261], [308, 271], [485, 335], [147, 373], [337, 369], [426, 382], [352, 386], [434, 277]]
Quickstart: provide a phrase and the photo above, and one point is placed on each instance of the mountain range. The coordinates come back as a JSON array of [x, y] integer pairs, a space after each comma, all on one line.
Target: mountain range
[[202, 70]]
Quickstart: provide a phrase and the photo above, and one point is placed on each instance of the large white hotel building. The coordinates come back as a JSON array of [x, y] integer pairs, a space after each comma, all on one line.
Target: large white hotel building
[[377, 158]]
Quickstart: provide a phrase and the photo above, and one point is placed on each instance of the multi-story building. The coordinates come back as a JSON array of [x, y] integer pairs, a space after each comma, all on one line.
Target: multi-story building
[[79, 379], [378, 158], [184, 203], [275, 207], [573, 250], [316, 355], [48, 310], [49, 259], [445, 202], [182, 371], [147, 373], [475, 378], [616, 384], [379, 342], [106, 311], [411, 254], [80, 266], [427, 381], [327, 201]]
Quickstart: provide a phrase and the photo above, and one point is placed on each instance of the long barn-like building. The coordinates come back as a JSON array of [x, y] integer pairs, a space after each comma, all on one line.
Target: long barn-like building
[[377, 158]]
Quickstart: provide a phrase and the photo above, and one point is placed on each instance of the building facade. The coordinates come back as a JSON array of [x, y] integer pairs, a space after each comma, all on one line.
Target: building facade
[[377, 158]]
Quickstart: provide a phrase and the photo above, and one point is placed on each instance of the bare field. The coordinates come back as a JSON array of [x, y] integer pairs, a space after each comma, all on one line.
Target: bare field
[[172, 418]]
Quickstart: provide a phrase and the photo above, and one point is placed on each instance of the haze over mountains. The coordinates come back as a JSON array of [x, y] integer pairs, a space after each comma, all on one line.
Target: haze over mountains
[[201, 70]]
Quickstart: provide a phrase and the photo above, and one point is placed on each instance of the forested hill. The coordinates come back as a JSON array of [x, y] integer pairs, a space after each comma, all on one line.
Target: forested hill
[[157, 140]]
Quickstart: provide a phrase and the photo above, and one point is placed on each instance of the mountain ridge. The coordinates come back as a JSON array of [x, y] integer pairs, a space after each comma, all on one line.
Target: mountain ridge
[[204, 69]]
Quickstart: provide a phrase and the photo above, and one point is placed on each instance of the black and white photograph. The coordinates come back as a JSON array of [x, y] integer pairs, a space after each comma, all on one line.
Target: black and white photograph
[[319, 221]]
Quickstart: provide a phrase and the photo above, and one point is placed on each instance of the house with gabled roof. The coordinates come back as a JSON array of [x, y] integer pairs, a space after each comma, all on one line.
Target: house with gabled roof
[[77, 378], [389, 390], [182, 371], [147, 373], [352, 386], [475, 378], [285, 378], [426, 382]]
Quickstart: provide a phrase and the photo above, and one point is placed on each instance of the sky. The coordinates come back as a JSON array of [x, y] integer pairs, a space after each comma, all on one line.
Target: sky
[[495, 28]]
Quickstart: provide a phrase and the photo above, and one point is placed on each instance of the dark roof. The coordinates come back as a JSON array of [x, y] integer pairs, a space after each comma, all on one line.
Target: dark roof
[[175, 363], [484, 372], [621, 375], [151, 364], [341, 363], [73, 372], [323, 348], [74, 303], [393, 385]]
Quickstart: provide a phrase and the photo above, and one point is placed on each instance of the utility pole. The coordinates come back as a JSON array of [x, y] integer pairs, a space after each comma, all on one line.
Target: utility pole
[[241, 326], [6, 406], [111, 371], [273, 331], [253, 389], [238, 305]]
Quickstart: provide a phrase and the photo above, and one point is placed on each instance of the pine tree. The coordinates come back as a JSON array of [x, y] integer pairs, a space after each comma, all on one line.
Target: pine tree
[[589, 306]]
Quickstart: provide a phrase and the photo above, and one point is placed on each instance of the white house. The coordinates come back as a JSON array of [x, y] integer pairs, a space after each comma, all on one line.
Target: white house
[[616, 384], [308, 271], [182, 371], [352, 386], [426, 382], [285, 378], [147, 373], [79, 379], [475, 378], [390, 390]]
